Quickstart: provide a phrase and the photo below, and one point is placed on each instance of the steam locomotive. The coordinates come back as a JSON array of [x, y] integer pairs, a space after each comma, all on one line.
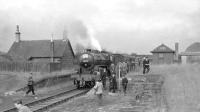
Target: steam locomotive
[[90, 62]]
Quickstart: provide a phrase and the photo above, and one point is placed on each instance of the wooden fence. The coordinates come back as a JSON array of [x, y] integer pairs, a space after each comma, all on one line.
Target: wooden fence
[[29, 66]]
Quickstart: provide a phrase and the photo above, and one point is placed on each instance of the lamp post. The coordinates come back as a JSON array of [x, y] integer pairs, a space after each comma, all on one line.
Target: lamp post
[[119, 75]]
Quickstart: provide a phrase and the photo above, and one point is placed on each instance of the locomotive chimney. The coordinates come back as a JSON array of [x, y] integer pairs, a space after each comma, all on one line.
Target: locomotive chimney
[[17, 34], [176, 51]]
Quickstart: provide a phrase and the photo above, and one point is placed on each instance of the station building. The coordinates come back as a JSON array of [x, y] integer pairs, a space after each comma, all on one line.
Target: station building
[[38, 55], [163, 55], [57, 51]]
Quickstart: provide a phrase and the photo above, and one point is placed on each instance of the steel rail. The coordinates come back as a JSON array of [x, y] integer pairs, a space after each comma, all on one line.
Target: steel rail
[[35, 103]]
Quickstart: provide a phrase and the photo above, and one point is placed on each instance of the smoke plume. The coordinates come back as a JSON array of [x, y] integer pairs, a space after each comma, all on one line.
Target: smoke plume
[[82, 35]]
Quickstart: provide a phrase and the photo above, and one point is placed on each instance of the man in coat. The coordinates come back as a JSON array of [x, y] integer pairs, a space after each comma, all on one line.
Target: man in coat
[[30, 85], [146, 65], [103, 77], [113, 83]]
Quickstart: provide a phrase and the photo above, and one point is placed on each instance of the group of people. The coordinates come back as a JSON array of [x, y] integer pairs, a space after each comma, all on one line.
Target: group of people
[[100, 85], [101, 82], [112, 81]]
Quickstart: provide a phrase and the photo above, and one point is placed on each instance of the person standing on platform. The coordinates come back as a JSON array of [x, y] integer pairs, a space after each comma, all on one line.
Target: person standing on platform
[[103, 77], [99, 91], [113, 84], [30, 85], [124, 84], [146, 66]]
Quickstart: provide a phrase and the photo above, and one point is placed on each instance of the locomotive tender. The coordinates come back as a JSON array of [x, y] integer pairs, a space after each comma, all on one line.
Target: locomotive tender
[[90, 62]]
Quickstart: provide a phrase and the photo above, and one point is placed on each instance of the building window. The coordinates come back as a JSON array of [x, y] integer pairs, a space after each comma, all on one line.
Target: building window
[[162, 48], [57, 60], [160, 55]]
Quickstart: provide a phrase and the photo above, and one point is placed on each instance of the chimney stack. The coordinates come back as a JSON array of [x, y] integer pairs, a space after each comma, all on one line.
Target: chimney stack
[[176, 51], [65, 35], [17, 34]]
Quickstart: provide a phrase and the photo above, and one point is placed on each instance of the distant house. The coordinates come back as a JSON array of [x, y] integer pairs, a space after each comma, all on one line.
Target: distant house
[[163, 55], [56, 51], [194, 50]]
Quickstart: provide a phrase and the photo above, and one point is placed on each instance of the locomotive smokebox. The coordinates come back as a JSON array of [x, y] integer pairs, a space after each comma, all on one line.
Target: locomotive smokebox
[[86, 60]]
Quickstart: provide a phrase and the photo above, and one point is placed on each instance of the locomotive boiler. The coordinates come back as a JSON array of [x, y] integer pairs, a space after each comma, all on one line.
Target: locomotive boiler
[[90, 62]]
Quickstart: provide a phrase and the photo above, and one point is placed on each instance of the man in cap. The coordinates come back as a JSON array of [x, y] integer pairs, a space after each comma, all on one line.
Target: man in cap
[[30, 85]]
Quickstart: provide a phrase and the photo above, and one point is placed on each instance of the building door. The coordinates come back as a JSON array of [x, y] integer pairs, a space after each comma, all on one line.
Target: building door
[[161, 61], [161, 58]]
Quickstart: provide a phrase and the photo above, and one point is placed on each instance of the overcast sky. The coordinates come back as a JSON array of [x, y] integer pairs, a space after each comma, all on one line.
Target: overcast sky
[[119, 25]]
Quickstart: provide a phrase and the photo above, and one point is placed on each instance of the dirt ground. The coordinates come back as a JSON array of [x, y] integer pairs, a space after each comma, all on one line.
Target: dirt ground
[[181, 90], [181, 84], [110, 103], [11, 81]]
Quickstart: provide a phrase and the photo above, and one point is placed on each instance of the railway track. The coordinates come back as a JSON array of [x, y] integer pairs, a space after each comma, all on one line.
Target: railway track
[[48, 102]]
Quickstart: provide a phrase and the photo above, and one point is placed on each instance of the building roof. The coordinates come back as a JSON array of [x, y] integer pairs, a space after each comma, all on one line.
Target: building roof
[[2, 53], [162, 49], [38, 48], [5, 57], [195, 47]]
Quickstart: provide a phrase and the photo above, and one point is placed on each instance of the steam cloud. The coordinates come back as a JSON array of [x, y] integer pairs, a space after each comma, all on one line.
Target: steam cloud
[[82, 35]]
